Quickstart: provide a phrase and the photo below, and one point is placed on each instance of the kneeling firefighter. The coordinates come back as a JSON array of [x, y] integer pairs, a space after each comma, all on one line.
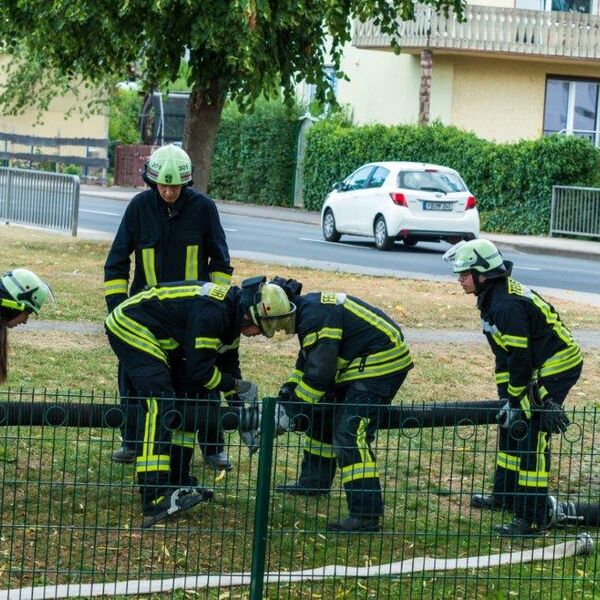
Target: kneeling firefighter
[[355, 355], [203, 321]]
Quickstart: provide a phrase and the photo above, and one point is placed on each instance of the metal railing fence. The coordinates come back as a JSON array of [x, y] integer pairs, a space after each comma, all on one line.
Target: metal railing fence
[[49, 200], [70, 518], [575, 211]]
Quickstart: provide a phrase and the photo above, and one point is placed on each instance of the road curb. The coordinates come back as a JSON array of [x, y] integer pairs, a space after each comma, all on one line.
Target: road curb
[[552, 250]]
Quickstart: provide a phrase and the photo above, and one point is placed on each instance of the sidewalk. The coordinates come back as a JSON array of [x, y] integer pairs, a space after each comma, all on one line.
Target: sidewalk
[[529, 243]]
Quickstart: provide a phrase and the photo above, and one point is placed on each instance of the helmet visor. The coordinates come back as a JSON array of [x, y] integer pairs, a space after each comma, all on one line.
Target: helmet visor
[[452, 257], [287, 323]]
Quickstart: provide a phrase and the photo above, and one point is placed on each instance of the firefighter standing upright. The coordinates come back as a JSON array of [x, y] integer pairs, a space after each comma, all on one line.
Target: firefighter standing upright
[[176, 235], [355, 355], [537, 363], [205, 322]]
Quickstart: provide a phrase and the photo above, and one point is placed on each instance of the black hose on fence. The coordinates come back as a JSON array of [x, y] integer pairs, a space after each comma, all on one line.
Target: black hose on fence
[[573, 513], [73, 414], [79, 414], [447, 414]]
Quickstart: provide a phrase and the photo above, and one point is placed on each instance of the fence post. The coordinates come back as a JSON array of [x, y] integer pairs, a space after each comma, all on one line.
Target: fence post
[[552, 210], [9, 196], [263, 493], [75, 213]]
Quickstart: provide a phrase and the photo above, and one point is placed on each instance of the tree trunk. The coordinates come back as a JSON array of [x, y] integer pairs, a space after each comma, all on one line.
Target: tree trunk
[[200, 132], [425, 87]]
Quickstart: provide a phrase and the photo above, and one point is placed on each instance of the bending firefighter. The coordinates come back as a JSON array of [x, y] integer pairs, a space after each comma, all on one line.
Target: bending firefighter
[[352, 361], [21, 293], [537, 363], [175, 234], [203, 322]]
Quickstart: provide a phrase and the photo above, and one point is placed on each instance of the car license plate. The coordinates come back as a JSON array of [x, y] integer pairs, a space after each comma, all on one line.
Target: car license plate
[[428, 205]]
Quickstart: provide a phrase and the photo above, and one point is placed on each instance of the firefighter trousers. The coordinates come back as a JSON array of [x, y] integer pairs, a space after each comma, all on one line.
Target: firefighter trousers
[[340, 434], [523, 465], [210, 442], [163, 448]]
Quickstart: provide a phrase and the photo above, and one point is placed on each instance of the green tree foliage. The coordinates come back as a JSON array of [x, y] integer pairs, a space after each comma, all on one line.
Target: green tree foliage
[[123, 117], [240, 49], [512, 182], [123, 120]]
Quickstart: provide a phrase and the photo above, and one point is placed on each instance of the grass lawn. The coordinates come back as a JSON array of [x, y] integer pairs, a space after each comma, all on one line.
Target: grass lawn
[[70, 515]]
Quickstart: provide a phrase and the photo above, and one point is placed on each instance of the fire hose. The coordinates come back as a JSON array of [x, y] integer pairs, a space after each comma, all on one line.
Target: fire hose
[[69, 414], [582, 545], [203, 418]]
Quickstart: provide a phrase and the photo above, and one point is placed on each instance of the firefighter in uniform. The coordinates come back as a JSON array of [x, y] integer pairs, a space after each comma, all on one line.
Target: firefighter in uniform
[[204, 320], [352, 361], [21, 293], [537, 363], [176, 234]]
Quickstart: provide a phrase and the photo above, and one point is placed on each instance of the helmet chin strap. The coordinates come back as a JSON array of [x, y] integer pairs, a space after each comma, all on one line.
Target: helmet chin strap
[[480, 286]]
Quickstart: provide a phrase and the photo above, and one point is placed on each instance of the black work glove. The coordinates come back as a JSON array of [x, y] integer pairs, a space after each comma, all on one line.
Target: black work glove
[[554, 418], [513, 419], [246, 391]]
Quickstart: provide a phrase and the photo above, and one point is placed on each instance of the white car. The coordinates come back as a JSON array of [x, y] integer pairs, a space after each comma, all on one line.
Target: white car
[[404, 201]]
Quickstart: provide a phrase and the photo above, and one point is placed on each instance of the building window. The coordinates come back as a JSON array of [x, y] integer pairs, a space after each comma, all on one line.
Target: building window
[[582, 6], [572, 108]]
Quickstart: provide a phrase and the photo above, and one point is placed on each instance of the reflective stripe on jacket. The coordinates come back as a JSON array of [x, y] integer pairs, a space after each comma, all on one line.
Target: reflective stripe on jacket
[[182, 242], [203, 320], [526, 336], [344, 339]]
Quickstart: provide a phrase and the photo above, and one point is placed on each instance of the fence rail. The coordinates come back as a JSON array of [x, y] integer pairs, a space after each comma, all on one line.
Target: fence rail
[[18, 148], [575, 211], [71, 517], [39, 198], [493, 29]]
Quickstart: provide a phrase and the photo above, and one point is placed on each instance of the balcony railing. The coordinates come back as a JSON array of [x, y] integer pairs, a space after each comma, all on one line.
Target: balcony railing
[[493, 29]]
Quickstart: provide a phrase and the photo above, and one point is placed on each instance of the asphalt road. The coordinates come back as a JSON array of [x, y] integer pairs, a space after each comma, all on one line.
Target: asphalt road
[[302, 244]]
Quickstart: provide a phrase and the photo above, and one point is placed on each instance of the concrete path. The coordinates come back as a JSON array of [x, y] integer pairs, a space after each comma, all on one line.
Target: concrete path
[[587, 338]]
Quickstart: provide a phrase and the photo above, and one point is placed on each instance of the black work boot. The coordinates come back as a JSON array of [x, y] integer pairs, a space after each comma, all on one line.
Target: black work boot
[[174, 504], [297, 489], [486, 501], [125, 454], [218, 462], [355, 525], [519, 528]]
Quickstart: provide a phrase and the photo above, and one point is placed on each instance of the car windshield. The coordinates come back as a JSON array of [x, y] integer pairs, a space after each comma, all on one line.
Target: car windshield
[[431, 181]]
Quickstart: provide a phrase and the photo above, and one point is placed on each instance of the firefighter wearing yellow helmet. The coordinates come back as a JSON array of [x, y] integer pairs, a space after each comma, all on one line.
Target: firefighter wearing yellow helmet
[[175, 234], [350, 352], [537, 362], [21, 293]]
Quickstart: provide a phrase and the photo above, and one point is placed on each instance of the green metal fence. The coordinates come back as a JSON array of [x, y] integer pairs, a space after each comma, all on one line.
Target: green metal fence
[[70, 518]]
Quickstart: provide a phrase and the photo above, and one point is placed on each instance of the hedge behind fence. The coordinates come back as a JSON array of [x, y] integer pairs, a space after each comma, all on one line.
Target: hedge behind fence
[[255, 155], [512, 182]]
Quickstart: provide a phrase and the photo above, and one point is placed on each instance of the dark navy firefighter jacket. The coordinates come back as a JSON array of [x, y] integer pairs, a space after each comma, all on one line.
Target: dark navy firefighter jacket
[[180, 242]]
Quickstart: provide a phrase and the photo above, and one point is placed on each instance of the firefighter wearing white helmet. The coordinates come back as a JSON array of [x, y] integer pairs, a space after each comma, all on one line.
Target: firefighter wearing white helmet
[[21, 293], [537, 362], [175, 234]]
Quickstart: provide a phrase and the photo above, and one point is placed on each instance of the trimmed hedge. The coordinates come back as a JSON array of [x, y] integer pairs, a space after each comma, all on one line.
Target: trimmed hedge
[[255, 155], [512, 182]]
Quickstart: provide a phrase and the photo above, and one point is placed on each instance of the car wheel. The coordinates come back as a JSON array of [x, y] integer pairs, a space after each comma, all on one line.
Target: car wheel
[[409, 242], [382, 240], [330, 233]]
